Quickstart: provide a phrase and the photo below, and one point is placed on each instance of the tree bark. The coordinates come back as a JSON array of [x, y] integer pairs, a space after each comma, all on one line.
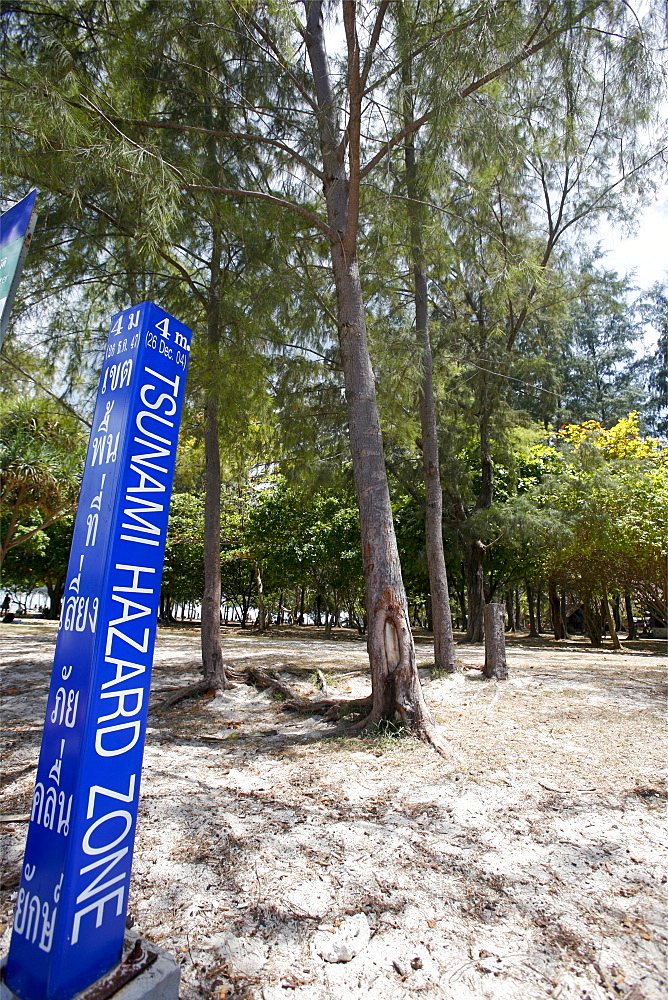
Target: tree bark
[[444, 643], [474, 554], [564, 618], [55, 590], [533, 631], [261, 610], [461, 597], [495, 643], [475, 588], [614, 607], [212, 651], [633, 632], [509, 611], [539, 602], [555, 612], [592, 621], [396, 690], [605, 604]]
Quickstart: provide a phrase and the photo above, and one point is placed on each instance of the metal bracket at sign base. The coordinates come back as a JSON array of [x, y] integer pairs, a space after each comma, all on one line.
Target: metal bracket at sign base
[[139, 955]]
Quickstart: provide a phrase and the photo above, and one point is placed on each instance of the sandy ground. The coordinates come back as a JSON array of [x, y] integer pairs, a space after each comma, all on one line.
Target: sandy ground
[[531, 863]]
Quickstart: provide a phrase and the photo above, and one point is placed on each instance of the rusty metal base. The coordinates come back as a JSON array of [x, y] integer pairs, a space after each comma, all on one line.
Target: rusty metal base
[[144, 973]]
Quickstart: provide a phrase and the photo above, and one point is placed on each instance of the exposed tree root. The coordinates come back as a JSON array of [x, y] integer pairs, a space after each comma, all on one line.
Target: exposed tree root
[[424, 729], [428, 734], [335, 710], [202, 688], [331, 709], [192, 691]]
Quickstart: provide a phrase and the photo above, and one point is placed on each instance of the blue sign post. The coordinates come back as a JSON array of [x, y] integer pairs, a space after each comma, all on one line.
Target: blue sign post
[[70, 912], [16, 229]]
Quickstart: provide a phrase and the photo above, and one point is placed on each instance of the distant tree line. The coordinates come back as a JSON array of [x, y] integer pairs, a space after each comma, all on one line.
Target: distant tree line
[[576, 542]]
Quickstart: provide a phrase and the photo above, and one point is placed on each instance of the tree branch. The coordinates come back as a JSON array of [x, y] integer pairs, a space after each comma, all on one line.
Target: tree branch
[[373, 42], [58, 399], [311, 217], [217, 133], [526, 53]]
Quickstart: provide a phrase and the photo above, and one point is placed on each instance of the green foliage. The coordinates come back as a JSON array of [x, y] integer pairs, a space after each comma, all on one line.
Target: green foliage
[[41, 458], [611, 502], [137, 121], [311, 539], [654, 310], [183, 573]]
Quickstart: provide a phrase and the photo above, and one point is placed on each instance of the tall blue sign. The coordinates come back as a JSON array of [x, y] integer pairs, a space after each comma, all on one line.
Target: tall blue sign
[[72, 900], [16, 229]]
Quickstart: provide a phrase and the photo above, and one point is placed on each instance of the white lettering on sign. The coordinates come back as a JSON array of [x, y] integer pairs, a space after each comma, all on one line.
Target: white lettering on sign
[[98, 909], [116, 751], [140, 523], [156, 452], [91, 524], [181, 341], [124, 702], [65, 709], [163, 326], [44, 809], [150, 423], [105, 836], [108, 442], [79, 613], [97, 884], [96, 502], [30, 910], [75, 582], [104, 423], [168, 381], [116, 376], [134, 588]]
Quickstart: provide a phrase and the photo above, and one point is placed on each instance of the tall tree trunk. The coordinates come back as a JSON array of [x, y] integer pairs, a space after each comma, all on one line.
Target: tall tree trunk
[[614, 607], [475, 589], [444, 643], [555, 611], [212, 651], [396, 690], [495, 643], [539, 604], [592, 621], [461, 594], [633, 632], [518, 610], [55, 590], [474, 554], [261, 610], [533, 631], [564, 617], [605, 605], [510, 614]]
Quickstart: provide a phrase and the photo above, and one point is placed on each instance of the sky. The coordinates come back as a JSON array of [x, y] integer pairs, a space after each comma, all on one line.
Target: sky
[[645, 253], [643, 256]]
